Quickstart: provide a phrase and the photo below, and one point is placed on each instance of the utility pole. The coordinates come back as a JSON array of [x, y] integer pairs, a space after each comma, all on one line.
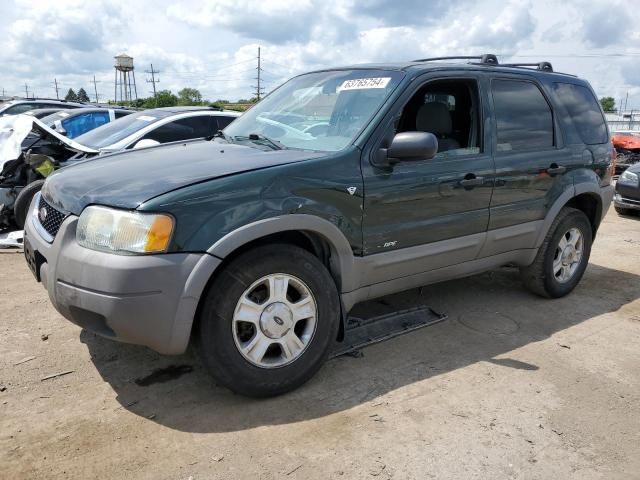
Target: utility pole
[[26, 91], [55, 81], [95, 88], [153, 80], [626, 99], [259, 87]]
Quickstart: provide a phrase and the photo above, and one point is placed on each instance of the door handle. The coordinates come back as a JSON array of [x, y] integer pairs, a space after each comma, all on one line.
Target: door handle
[[471, 181], [556, 169]]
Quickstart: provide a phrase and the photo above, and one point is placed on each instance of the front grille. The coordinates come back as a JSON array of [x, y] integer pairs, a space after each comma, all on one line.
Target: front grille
[[630, 201], [49, 217]]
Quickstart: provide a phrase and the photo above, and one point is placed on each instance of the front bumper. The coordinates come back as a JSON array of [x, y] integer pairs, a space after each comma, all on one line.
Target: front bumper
[[147, 300], [627, 203], [627, 196]]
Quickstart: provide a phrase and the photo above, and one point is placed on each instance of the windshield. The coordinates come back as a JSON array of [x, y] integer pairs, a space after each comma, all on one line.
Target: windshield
[[319, 111], [119, 129]]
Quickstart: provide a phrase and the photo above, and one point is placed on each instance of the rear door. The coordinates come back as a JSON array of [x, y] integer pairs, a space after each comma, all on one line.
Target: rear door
[[530, 157]]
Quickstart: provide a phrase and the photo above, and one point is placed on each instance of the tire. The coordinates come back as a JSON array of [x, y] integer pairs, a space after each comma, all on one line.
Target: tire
[[23, 201], [541, 277], [223, 336]]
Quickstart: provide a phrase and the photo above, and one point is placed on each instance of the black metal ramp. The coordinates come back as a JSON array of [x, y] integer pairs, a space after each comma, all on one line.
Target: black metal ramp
[[362, 332]]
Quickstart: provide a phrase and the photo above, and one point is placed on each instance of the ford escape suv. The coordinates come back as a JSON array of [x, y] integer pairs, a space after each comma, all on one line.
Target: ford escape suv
[[340, 186]]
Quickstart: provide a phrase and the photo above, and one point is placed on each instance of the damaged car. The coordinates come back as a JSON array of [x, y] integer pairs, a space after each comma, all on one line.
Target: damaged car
[[23, 168], [627, 144]]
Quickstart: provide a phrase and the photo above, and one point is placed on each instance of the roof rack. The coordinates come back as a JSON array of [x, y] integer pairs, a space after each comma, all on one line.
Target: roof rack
[[486, 59], [543, 66], [491, 59]]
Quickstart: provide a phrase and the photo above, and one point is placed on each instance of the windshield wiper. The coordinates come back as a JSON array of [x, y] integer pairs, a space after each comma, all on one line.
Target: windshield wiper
[[258, 137]]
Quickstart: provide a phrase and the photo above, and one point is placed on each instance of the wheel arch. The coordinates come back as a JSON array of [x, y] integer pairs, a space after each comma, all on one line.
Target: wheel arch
[[586, 197]]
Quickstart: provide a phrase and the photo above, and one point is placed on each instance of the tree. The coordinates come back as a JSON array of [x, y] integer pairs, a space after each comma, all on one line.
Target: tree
[[189, 96], [71, 96], [82, 96], [608, 104], [165, 99]]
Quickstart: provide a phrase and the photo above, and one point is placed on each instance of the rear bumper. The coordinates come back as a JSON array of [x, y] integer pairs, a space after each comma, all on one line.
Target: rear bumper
[[147, 300]]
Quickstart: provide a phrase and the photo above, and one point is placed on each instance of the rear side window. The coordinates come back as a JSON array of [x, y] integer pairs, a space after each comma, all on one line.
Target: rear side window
[[523, 117], [584, 122]]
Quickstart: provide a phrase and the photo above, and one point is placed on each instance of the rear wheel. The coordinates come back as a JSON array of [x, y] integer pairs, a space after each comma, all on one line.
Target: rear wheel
[[563, 256], [268, 320], [23, 201]]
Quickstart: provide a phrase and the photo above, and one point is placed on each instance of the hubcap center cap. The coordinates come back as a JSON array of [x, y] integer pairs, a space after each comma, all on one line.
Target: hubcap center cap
[[276, 320], [569, 255]]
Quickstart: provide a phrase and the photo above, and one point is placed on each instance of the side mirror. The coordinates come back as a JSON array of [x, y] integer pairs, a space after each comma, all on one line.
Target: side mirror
[[57, 126], [408, 146], [146, 142]]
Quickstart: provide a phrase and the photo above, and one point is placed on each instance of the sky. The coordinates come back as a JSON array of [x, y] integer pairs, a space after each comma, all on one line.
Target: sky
[[212, 45]]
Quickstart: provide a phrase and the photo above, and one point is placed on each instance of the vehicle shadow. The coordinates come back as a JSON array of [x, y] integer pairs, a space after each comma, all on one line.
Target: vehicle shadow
[[490, 315]]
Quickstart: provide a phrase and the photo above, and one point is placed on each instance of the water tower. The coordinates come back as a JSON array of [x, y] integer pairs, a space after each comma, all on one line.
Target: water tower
[[124, 76]]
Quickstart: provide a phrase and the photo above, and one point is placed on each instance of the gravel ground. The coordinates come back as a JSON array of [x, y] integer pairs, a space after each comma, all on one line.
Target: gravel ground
[[511, 386]]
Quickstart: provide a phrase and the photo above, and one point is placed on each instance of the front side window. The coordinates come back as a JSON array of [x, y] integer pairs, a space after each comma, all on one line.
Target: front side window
[[322, 111], [449, 109], [523, 117]]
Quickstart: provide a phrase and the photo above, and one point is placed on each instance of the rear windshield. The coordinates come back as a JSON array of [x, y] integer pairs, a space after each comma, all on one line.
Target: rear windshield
[[583, 121], [120, 129]]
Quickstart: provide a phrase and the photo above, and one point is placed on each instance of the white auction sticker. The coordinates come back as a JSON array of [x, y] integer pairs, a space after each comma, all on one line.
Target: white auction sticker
[[63, 114], [364, 83], [146, 118]]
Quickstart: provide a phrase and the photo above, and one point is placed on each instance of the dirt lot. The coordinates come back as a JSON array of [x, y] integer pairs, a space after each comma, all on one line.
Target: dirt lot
[[511, 386]]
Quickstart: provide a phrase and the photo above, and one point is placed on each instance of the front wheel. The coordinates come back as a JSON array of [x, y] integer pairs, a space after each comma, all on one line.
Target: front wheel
[[563, 256], [268, 320], [23, 200]]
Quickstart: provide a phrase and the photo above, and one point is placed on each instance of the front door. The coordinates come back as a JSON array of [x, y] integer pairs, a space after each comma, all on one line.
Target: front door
[[433, 211]]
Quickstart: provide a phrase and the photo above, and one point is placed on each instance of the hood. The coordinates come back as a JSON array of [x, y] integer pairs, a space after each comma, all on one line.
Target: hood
[[15, 128], [128, 179], [626, 141]]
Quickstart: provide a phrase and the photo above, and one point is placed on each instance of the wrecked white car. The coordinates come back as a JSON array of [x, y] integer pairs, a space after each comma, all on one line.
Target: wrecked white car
[[23, 167]]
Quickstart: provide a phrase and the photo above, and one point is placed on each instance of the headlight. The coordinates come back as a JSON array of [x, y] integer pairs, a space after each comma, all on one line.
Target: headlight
[[124, 232], [628, 177]]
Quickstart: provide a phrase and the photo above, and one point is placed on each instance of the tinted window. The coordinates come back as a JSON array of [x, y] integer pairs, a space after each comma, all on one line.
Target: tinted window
[[183, 129], [583, 121], [21, 108], [523, 116], [120, 113], [224, 121]]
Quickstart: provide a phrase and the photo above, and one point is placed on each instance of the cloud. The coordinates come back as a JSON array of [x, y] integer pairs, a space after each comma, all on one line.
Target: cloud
[[606, 25], [212, 44]]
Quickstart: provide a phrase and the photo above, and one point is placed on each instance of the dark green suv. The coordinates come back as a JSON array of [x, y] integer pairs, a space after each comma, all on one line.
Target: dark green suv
[[340, 186]]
